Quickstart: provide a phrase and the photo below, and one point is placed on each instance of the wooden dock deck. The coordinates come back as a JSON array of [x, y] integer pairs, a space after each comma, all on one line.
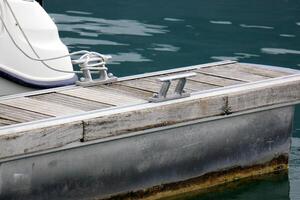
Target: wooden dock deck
[[74, 100], [224, 85]]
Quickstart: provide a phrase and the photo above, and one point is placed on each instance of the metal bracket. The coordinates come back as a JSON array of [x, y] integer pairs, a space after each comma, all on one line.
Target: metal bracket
[[178, 93]]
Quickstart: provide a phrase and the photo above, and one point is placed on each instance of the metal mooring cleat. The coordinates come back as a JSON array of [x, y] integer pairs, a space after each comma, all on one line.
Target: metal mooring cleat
[[94, 63], [179, 92]]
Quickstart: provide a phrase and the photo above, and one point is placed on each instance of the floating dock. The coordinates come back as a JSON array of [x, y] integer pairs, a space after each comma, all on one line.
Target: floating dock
[[206, 124]]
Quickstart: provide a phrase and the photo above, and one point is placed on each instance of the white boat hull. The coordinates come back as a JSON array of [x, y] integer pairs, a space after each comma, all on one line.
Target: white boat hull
[[34, 37]]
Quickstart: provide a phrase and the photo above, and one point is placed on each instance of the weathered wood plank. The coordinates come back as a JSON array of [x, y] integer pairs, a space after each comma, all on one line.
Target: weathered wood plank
[[252, 69], [103, 95], [197, 86], [167, 114], [191, 85], [227, 71], [122, 123], [5, 122], [142, 85], [19, 115], [19, 143], [150, 85], [260, 97], [42, 107], [70, 101], [217, 81], [219, 75], [205, 79], [137, 93]]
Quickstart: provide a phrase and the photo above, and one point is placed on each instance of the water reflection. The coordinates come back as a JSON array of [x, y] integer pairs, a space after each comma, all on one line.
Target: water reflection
[[83, 41], [225, 57], [78, 12], [237, 56], [246, 55], [277, 51], [221, 22], [287, 35], [101, 26], [256, 26], [173, 19], [128, 57], [164, 47], [91, 31]]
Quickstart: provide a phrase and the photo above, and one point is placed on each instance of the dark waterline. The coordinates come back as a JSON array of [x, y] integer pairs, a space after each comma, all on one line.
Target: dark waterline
[[144, 36], [273, 187]]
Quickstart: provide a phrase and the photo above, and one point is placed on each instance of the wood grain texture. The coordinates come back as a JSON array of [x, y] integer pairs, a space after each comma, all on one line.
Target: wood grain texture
[[190, 110], [149, 118], [5, 122], [104, 95], [39, 139], [19, 115], [217, 81], [142, 84], [229, 72], [191, 85], [137, 93], [70, 101], [256, 98], [248, 68], [198, 86], [42, 107], [152, 85], [205, 79]]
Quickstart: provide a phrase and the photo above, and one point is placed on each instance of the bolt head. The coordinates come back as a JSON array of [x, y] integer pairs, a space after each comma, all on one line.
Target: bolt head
[[110, 75]]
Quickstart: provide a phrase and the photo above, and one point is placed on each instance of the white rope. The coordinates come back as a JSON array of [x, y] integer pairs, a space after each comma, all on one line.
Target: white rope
[[42, 60]]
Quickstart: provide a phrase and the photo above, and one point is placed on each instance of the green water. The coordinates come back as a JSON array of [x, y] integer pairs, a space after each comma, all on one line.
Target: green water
[[144, 36]]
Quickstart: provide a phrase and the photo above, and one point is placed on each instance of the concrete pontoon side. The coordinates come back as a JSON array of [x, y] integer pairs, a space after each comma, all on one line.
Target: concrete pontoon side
[[154, 157]]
